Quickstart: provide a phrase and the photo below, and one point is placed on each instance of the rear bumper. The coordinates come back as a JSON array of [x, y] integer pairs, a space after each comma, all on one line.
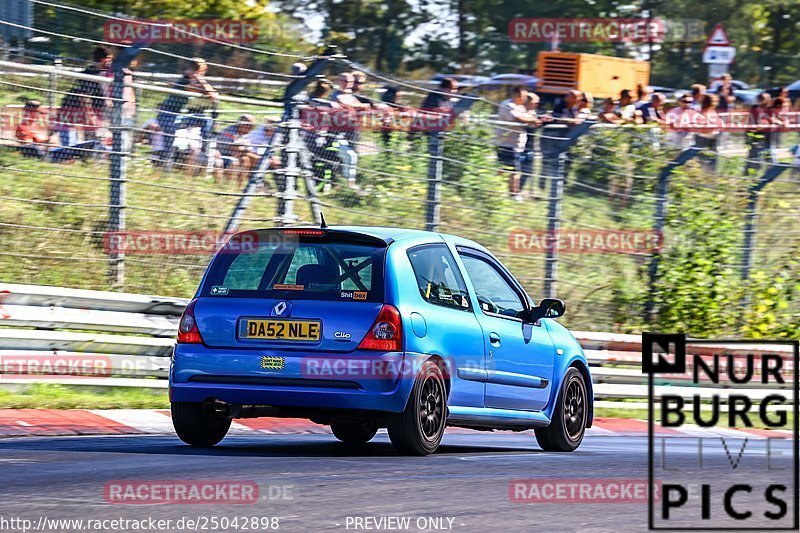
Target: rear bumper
[[357, 380]]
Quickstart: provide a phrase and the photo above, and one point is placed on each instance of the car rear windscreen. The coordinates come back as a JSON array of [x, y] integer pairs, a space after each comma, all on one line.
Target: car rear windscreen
[[285, 265]]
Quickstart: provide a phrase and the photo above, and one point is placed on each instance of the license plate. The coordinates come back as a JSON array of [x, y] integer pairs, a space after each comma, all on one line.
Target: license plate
[[282, 330]]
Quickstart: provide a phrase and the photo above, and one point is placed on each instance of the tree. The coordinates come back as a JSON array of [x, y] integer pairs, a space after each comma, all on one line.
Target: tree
[[276, 33], [367, 31]]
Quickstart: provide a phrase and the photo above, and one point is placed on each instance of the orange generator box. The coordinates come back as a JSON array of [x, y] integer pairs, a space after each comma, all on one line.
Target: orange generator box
[[600, 76]]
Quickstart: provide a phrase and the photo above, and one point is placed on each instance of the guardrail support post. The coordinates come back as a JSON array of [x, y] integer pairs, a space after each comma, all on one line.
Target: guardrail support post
[[433, 203], [662, 199]]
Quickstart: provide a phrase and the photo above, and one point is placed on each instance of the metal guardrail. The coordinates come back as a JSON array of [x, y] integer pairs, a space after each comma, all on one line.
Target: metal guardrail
[[43, 295], [87, 319], [113, 338], [63, 327]]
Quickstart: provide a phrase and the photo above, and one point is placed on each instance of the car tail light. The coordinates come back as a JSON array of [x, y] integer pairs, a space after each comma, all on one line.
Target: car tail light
[[187, 328], [386, 333], [304, 232]]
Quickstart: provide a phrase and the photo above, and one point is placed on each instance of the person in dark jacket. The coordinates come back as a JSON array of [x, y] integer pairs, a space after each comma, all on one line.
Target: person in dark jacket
[[169, 115]]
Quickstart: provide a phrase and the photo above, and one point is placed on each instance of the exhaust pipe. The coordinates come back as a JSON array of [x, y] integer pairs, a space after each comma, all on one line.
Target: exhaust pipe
[[217, 409]]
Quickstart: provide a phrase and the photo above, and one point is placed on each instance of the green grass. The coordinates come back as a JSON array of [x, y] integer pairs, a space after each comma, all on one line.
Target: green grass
[[642, 414], [47, 396], [51, 242], [56, 244]]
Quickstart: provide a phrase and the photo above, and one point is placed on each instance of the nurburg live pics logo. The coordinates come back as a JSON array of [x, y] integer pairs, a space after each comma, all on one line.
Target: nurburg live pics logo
[[722, 478]]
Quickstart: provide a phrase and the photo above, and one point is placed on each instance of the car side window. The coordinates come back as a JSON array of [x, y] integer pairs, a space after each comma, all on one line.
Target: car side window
[[495, 294], [438, 277]]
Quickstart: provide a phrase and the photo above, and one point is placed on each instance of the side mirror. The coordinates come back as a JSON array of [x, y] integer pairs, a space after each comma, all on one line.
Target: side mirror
[[547, 308]]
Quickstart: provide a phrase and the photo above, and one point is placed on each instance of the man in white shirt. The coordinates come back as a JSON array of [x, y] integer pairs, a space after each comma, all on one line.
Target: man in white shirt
[[681, 121], [511, 135], [627, 109], [260, 138]]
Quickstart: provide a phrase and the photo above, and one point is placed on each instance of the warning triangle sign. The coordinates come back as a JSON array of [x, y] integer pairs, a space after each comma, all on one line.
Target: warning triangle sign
[[718, 37]]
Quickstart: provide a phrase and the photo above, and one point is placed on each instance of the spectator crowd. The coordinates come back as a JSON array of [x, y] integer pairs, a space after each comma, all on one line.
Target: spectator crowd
[[187, 133]]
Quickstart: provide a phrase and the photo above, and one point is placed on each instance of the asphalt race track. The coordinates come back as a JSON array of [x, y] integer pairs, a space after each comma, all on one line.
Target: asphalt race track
[[317, 483]]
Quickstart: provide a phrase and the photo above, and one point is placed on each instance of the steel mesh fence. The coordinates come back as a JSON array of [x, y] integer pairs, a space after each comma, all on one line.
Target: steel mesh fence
[[599, 191]]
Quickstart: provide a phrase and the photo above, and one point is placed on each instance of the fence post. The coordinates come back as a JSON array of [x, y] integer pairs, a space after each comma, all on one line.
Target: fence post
[[118, 176], [554, 167], [210, 144], [120, 148], [659, 219], [772, 173], [53, 86], [435, 166], [257, 176], [311, 186], [291, 172]]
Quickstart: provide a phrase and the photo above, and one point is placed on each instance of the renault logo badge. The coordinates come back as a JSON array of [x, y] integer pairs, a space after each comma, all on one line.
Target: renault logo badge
[[279, 308]]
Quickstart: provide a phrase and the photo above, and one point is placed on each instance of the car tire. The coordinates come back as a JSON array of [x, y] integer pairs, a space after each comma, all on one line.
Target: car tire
[[354, 432], [418, 430], [196, 428], [568, 425]]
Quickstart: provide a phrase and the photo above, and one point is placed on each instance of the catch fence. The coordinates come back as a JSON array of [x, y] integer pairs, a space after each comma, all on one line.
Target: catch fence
[[630, 225]]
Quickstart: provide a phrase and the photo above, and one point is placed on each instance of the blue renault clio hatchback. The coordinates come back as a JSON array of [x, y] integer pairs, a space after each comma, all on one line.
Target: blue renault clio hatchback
[[361, 328]]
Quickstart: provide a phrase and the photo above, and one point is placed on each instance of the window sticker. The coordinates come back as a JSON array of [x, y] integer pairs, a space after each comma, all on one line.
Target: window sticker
[[354, 295], [288, 287]]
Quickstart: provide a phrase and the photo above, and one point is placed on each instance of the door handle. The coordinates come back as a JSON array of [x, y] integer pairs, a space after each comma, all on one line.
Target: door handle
[[494, 339]]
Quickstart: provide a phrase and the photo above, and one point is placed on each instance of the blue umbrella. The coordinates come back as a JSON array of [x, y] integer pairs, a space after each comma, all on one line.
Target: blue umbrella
[[661, 89], [464, 80], [748, 96], [510, 80], [794, 87], [736, 84]]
